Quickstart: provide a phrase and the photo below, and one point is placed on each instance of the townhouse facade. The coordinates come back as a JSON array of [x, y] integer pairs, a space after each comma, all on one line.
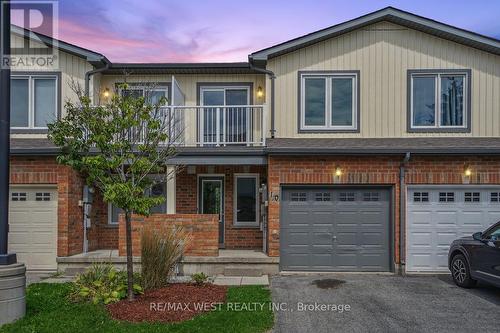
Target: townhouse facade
[[366, 146]]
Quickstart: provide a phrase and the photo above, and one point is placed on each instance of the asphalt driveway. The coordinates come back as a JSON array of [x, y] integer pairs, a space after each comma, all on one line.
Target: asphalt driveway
[[382, 303]]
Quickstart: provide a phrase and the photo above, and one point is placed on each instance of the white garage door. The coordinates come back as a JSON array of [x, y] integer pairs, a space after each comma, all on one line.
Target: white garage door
[[438, 215], [33, 226]]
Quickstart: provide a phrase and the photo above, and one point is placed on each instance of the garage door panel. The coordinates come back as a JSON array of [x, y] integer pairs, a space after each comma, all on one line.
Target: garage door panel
[[345, 232], [433, 225], [33, 226]]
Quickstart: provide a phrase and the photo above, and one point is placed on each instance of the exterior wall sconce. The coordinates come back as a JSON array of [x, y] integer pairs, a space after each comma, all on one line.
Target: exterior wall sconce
[[260, 92], [338, 172], [106, 92], [466, 175]]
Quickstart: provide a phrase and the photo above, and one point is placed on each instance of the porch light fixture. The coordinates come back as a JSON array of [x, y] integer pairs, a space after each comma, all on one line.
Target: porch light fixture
[[338, 172], [260, 92], [106, 92], [467, 172]]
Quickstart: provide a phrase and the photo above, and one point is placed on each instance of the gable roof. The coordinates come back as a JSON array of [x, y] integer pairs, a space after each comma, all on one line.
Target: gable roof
[[182, 68], [91, 56], [389, 14]]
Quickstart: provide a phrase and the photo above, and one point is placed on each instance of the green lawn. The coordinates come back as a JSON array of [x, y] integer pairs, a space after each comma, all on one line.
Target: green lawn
[[48, 310]]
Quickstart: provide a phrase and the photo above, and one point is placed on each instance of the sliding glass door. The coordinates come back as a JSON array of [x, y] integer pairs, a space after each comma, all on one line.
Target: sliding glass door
[[225, 119]]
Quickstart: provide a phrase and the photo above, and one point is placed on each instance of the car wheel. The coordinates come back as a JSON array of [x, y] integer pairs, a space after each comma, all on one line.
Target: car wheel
[[460, 272]]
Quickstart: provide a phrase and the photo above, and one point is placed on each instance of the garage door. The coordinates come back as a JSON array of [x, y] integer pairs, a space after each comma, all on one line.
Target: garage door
[[438, 215], [33, 226], [335, 229]]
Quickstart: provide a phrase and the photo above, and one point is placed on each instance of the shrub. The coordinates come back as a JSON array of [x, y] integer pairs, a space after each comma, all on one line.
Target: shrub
[[199, 278], [161, 249], [102, 283]]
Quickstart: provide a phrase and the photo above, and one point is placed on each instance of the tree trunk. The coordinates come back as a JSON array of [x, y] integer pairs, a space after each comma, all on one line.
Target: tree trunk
[[130, 264]]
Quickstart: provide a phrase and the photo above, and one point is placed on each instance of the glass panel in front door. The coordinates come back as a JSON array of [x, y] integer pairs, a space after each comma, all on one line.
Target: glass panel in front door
[[212, 202]]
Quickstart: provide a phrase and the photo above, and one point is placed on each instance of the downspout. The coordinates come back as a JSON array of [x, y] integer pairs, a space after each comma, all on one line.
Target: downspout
[[272, 76], [402, 222], [92, 72]]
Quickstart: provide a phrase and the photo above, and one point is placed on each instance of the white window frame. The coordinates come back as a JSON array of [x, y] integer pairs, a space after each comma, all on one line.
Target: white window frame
[[246, 224], [328, 77], [110, 215], [31, 97], [437, 99], [145, 88]]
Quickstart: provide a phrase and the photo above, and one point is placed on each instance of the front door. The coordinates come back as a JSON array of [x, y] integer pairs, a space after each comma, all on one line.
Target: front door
[[211, 200]]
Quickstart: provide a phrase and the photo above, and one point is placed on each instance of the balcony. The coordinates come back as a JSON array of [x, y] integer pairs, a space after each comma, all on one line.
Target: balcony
[[216, 126]]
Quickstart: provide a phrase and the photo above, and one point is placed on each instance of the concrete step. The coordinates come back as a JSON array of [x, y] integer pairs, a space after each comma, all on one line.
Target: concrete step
[[242, 271], [223, 280]]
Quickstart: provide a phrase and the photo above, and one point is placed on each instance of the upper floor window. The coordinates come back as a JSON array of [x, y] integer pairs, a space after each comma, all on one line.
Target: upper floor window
[[152, 94], [33, 100], [328, 101], [439, 101]]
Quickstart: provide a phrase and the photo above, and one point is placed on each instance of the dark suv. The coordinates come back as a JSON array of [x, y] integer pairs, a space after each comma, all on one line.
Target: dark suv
[[476, 258]]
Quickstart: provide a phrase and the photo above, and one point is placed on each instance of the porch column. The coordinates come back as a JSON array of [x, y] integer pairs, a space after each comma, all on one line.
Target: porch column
[[171, 202]]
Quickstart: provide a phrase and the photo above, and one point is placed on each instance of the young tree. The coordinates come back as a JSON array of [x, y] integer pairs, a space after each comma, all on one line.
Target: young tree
[[116, 147]]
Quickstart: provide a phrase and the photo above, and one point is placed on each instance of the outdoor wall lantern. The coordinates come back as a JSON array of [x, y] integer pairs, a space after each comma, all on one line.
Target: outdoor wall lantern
[[260, 92], [106, 92], [467, 172], [338, 172]]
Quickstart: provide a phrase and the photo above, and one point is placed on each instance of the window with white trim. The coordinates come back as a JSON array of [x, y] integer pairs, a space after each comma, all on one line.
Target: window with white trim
[[439, 100], [472, 196], [421, 197], [33, 100], [446, 196], [329, 101], [246, 200], [152, 93]]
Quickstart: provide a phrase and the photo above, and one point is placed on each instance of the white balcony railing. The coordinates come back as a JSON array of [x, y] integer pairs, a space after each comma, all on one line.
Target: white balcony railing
[[213, 126], [216, 126]]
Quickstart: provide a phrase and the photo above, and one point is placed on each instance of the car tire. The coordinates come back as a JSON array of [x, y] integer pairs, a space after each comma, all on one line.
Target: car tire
[[460, 272]]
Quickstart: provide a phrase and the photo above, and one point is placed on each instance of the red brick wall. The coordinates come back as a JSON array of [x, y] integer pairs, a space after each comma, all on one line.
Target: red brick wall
[[187, 202], [102, 235], [450, 170], [373, 170], [45, 170], [202, 228]]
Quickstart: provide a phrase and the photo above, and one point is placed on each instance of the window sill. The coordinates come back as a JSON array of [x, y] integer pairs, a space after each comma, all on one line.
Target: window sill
[[346, 130], [110, 226], [240, 226], [29, 130], [439, 130]]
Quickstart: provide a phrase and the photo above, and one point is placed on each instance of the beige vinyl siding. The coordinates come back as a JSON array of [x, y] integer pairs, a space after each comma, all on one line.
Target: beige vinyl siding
[[187, 82], [383, 53], [72, 69]]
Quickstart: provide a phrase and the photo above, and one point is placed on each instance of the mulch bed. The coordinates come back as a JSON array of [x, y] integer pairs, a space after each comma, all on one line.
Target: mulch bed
[[177, 302]]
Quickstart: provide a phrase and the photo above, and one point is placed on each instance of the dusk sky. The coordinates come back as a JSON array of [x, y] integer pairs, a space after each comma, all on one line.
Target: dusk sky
[[228, 30]]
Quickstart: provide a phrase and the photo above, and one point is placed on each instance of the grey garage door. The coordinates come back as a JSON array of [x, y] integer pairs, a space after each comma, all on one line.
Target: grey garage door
[[335, 229]]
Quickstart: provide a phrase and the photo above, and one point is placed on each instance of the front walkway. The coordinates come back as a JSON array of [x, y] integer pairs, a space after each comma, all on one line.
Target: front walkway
[[382, 303], [235, 263]]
